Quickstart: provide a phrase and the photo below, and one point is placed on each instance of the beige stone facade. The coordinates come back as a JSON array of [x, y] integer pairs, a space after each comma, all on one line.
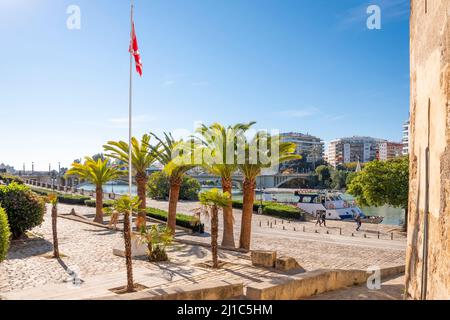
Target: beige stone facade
[[428, 261]]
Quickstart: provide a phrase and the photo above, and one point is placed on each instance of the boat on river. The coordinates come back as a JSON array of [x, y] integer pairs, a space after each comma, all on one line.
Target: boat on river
[[331, 203]]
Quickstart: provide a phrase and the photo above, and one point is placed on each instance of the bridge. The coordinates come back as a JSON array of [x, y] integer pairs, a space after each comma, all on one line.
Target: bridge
[[263, 181]]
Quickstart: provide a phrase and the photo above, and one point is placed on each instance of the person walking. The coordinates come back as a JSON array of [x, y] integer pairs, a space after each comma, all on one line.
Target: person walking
[[319, 218], [324, 218], [358, 222]]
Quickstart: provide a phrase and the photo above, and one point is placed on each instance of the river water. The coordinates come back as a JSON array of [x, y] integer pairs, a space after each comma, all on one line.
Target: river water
[[392, 216]]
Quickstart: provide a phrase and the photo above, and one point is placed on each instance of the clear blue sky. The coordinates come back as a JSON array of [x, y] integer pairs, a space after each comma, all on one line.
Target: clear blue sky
[[294, 65]]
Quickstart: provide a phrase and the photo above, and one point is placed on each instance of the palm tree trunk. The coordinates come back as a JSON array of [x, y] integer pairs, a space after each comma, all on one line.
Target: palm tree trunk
[[214, 235], [55, 232], [99, 204], [141, 181], [228, 230], [127, 240], [247, 213], [174, 194]]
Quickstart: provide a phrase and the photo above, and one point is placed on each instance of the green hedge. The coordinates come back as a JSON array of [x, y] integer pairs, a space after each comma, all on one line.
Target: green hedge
[[273, 209], [24, 208], [183, 220], [5, 234], [93, 203], [64, 198], [9, 178]]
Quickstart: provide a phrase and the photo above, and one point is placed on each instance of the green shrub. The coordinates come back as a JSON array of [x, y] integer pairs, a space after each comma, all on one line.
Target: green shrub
[[93, 203], [64, 198], [283, 211], [5, 234], [158, 187], [9, 178], [183, 220], [24, 208], [273, 209]]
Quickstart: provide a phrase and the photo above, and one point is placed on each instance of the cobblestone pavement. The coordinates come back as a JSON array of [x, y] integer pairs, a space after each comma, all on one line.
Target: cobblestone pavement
[[315, 250], [88, 248]]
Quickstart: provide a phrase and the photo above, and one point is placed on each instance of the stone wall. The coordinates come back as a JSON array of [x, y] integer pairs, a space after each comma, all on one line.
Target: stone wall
[[430, 126]]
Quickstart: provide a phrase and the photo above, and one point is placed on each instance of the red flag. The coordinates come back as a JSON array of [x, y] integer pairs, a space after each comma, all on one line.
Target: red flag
[[134, 50]]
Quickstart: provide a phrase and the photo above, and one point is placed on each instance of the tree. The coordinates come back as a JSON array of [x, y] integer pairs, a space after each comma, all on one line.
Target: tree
[[323, 175], [158, 187], [383, 182], [220, 158], [53, 199], [338, 179], [259, 156], [142, 157], [127, 206], [214, 200], [172, 155], [98, 173]]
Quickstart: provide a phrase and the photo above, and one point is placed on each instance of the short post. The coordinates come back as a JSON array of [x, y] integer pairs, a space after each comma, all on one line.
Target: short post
[[267, 222], [378, 234], [304, 229], [392, 236], [284, 228], [353, 234], [340, 231], [260, 224], [271, 225], [365, 235], [275, 221], [294, 229], [328, 232]]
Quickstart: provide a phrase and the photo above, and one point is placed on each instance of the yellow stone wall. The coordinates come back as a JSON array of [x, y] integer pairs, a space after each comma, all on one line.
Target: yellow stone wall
[[430, 126]]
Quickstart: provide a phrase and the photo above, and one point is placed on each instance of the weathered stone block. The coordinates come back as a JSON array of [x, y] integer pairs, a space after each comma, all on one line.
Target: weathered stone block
[[288, 264], [264, 258]]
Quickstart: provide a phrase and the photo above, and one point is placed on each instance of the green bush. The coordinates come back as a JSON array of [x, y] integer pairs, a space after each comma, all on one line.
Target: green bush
[[93, 203], [8, 178], [273, 209], [282, 211], [72, 199], [24, 208], [158, 187], [5, 234], [183, 220]]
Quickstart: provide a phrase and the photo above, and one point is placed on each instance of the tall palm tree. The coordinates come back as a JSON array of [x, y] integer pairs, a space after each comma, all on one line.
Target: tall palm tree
[[221, 147], [169, 153], [99, 173], [142, 159], [214, 200], [259, 156]]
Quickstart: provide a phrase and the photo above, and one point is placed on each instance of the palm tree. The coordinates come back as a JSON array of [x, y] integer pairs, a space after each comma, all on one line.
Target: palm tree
[[221, 147], [142, 159], [127, 206], [99, 173], [215, 200], [53, 199], [259, 156], [169, 153]]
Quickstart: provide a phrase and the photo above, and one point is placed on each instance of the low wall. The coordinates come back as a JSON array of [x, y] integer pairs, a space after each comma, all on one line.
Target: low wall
[[215, 290], [312, 283]]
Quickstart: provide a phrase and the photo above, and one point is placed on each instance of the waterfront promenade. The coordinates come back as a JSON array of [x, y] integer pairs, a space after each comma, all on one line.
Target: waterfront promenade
[[88, 249]]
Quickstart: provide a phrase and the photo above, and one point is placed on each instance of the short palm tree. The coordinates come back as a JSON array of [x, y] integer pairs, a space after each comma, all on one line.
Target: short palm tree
[[167, 153], [142, 159], [99, 172], [221, 143], [127, 206], [259, 156], [214, 200]]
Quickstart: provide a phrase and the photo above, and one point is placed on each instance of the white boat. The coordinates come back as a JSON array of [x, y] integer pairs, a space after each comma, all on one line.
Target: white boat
[[333, 205]]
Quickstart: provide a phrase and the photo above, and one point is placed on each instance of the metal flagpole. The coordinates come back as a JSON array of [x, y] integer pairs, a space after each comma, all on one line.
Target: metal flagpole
[[130, 114]]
